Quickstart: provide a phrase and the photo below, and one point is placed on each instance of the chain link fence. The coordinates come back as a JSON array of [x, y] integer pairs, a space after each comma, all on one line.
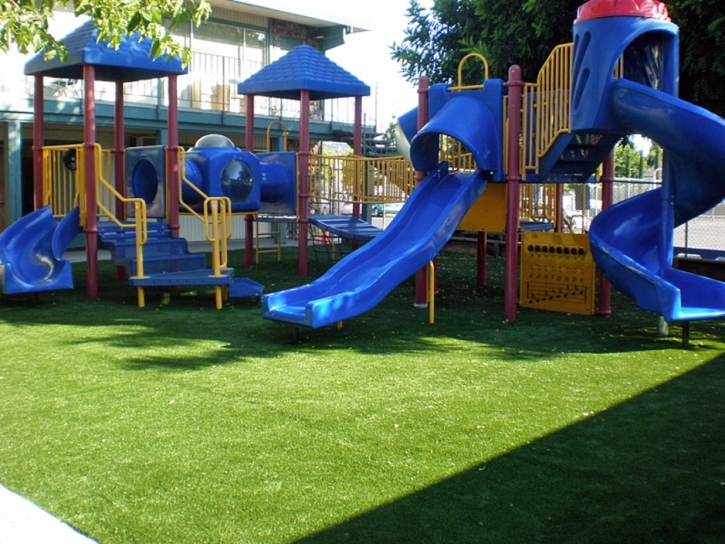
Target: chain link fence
[[703, 235]]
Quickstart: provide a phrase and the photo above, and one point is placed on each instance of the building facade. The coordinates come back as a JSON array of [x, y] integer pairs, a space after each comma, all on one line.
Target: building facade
[[238, 39]]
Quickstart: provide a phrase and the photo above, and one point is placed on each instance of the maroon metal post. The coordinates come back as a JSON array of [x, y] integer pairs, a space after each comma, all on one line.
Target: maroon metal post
[[304, 177], [482, 259], [513, 178], [249, 219], [89, 147], [119, 150], [38, 142], [604, 299], [172, 125], [421, 277], [357, 148]]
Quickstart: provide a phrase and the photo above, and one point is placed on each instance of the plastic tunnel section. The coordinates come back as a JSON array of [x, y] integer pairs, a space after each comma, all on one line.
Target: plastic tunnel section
[[357, 283], [632, 241], [31, 252]]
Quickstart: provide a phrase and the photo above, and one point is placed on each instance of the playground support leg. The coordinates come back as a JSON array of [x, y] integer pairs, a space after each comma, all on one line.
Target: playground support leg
[[604, 302], [89, 143], [248, 241], [513, 178], [421, 276], [686, 334], [482, 259]]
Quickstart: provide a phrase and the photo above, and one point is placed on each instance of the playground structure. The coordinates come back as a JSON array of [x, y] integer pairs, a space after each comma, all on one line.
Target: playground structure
[[496, 156], [618, 77]]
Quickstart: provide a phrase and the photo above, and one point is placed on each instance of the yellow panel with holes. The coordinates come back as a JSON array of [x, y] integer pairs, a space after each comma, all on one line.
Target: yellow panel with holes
[[557, 272]]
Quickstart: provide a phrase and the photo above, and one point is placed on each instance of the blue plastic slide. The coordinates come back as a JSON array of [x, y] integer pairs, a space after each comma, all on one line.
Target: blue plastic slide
[[31, 252], [360, 281], [632, 240]]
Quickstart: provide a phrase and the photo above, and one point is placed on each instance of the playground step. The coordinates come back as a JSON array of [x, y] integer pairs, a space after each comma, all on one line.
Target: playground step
[[154, 247], [244, 287], [110, 230], [199, 276], [163, 263], [574, 157]]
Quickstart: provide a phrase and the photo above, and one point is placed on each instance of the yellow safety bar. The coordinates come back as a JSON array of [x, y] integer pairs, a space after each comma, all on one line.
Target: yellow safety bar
[[460, 86], [269, 134]]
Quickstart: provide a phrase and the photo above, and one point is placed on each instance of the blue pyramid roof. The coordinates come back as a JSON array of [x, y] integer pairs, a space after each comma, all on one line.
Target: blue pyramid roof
[[130, 62], [304, 69]]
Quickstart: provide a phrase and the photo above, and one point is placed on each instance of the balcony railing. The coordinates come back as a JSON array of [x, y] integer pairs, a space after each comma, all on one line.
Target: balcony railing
[[210, 84]]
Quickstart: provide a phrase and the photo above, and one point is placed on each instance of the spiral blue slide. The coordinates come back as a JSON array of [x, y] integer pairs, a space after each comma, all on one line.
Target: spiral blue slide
[[632, 241], [31, 252]]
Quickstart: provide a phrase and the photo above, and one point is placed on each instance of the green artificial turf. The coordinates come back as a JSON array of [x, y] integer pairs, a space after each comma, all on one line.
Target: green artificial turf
[[178, 423]]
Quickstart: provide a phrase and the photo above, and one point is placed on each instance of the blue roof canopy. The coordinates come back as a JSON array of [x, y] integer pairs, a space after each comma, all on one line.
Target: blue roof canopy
[[303, 69], [130, 62]]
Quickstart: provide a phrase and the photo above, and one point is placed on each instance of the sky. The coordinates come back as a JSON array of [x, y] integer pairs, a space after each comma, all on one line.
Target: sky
[[366, 55]]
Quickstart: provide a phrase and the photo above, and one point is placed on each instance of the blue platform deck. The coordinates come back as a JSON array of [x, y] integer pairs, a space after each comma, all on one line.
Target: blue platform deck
[[346, 226]]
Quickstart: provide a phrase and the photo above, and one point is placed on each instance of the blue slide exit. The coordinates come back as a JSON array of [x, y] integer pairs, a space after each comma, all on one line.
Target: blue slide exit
[[632, 240], [31, 252], [362, 279]]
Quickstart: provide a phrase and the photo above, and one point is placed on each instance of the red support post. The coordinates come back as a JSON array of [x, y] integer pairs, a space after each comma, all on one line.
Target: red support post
[[421, 277], [513, 178], [304, 178], [249, 219], [119, 150], [89, 148], [38, 142], [482, 259], [172, 124], [604, 298]]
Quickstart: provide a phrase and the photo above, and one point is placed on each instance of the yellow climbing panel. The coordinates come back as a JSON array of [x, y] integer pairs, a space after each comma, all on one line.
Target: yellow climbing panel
[[557, 272]]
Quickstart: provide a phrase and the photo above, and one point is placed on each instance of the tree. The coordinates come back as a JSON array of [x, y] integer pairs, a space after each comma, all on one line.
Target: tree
[[702, 42], [24, 23], [524, 33]]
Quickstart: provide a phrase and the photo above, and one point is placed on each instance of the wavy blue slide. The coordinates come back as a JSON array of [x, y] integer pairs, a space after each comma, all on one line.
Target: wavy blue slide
[[632, 240], [31, 252], [362, 279]]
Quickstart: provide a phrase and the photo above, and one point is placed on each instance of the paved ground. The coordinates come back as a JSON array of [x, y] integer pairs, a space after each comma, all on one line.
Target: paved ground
[[22, 522]]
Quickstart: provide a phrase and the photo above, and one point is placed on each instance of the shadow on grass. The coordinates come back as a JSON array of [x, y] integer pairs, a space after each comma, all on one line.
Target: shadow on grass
[[465, 313], [651, 469]]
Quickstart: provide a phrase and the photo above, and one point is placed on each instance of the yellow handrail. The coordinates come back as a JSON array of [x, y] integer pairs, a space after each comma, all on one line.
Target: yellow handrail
[[269, 134], [140, 223], [216, 216], [460, 86]]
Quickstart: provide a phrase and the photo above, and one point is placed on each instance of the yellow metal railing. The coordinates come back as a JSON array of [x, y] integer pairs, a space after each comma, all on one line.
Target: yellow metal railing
[[216, 216], [547, 107], [554, 98], [63, 175], [339, 179], [106, 197]]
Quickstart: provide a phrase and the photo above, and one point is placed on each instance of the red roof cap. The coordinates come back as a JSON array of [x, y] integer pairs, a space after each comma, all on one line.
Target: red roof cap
[[595, 9]]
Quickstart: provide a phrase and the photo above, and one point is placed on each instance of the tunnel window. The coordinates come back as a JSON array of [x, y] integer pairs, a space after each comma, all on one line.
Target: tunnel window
[[145, 181], [237, 181], [214, 140], [644, 60]]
